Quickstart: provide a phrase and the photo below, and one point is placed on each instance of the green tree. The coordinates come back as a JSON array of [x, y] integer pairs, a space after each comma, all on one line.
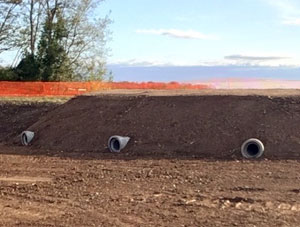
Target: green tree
[[67, 38], [56, 39], [7, 74], [52, 56], [28, 69]]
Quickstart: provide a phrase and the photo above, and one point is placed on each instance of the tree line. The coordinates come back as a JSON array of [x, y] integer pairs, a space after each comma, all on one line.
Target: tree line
[[54, 40]]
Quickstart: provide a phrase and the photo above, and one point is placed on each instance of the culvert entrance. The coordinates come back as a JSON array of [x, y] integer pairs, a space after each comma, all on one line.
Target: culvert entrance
[[117, 143], [26, 137], [252, 149]]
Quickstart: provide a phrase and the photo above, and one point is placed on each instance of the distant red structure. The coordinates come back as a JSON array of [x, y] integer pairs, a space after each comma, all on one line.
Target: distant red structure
[[78, 88]]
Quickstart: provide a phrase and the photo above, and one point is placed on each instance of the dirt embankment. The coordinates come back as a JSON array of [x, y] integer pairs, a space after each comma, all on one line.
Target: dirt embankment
[[37, 189], [17, 115], [194, 125]]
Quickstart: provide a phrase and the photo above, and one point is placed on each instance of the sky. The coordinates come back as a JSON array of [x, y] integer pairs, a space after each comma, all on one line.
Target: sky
[[191, 40], [202, 40]]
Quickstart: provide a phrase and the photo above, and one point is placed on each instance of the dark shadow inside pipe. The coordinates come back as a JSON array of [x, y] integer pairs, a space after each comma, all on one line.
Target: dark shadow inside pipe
[[115, 144], [25, 140], [252, 149]]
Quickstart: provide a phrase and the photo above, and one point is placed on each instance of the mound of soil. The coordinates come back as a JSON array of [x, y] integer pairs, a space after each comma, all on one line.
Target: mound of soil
[[195, 125], [15, 117]]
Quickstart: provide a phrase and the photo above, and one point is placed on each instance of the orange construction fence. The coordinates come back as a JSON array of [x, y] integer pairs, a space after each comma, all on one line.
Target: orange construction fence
[[78, 88]]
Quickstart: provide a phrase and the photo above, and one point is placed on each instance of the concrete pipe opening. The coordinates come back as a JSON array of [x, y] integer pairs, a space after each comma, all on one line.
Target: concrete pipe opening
[[27, 137], [252, 149], [117, 143]]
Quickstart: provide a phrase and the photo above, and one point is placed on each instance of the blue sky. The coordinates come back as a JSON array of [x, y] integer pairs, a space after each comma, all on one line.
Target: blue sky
[[241, 35]]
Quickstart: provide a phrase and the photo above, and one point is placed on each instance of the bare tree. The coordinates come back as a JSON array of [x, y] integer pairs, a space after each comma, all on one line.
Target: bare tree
[[87, 36], [8, 25], [35, 14], [31, 16]]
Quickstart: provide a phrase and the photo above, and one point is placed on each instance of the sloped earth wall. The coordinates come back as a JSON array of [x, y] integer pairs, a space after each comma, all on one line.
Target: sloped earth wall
[[212, 126], [17, 116]]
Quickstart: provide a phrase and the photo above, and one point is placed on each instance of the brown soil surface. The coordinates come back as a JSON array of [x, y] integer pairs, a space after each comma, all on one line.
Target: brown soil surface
[[41, 187], [18, 114], [176, 123], [40, 190]]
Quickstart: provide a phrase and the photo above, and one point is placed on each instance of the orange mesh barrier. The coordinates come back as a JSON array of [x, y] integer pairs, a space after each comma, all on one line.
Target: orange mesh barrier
[[78, 88]]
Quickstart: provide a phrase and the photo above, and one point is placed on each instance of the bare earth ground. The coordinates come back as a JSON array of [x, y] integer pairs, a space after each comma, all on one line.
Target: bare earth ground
[[43, 188]]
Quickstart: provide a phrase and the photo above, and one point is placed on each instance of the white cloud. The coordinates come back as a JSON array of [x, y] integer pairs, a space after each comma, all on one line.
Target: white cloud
[[291, 21], [139, 62], [258, 61], [254, 58], [262, 59], [244, 58], [289, 10], [175, 33], [285, 7]]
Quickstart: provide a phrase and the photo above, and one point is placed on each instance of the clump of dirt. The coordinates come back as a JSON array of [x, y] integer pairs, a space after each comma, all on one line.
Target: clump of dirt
[[210, 126]]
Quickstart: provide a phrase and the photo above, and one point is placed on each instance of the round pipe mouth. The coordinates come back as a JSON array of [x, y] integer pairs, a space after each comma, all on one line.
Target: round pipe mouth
[[252, 149], [27, 137], [117, 143]]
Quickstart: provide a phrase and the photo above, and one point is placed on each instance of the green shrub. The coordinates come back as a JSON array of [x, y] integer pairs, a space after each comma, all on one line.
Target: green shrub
[[8, 74], [28, 69]]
